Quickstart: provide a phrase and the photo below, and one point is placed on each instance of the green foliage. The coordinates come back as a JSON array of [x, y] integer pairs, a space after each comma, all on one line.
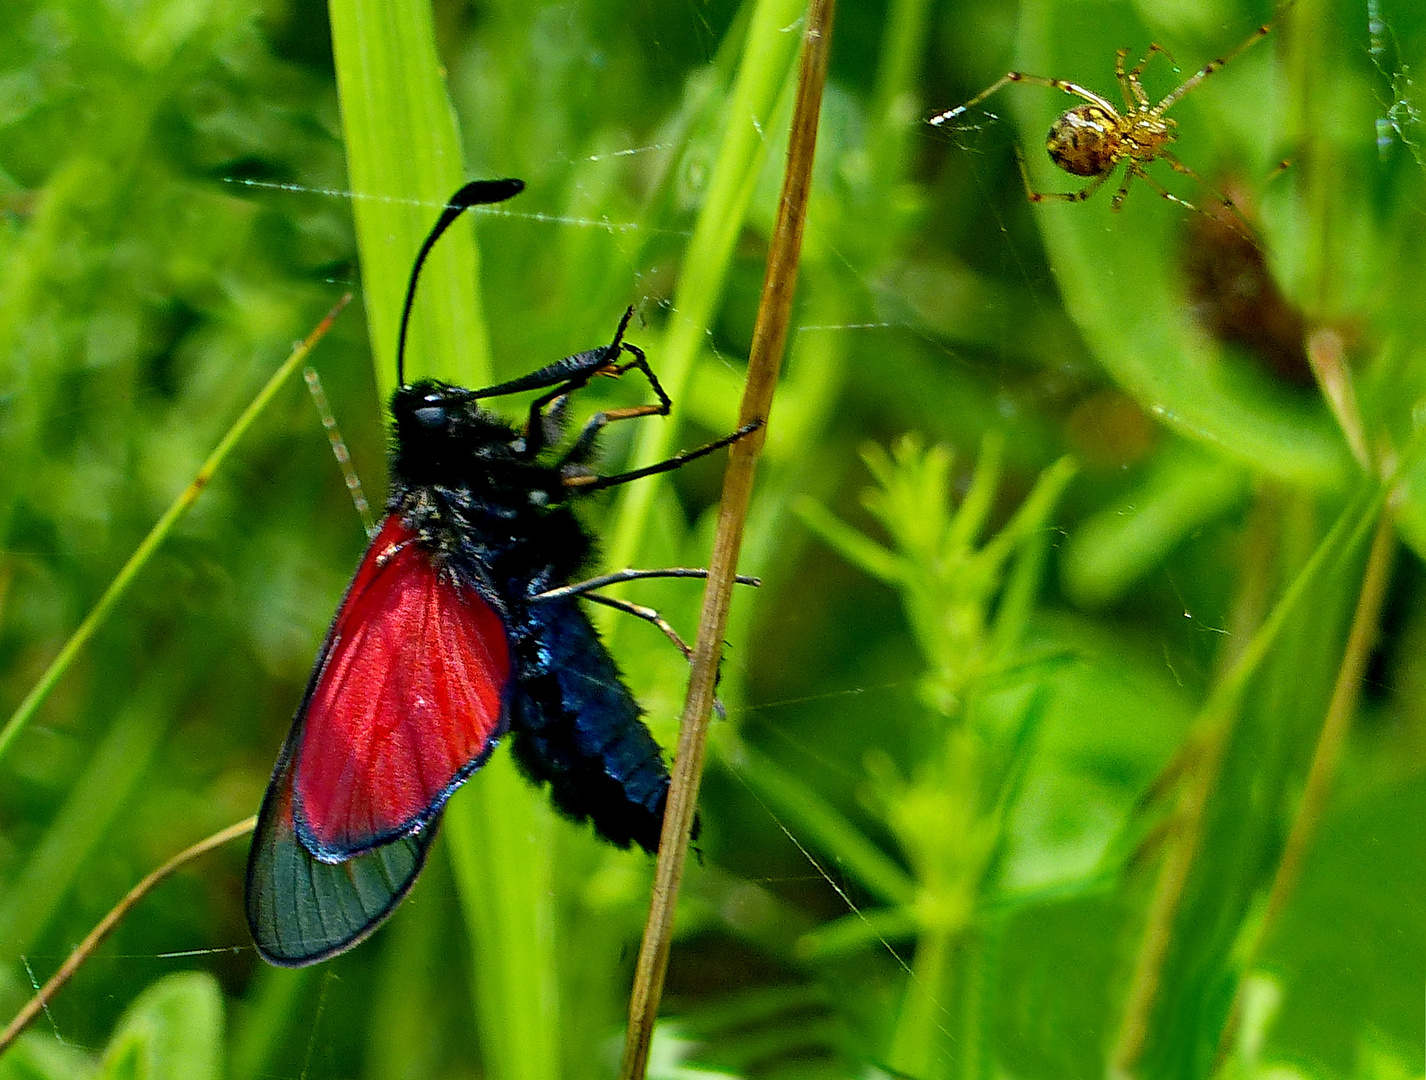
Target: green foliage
[[1006, 676], [173, 1030]]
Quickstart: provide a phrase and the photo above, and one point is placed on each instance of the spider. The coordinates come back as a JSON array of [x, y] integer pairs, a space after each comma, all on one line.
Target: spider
[[1091, 140]]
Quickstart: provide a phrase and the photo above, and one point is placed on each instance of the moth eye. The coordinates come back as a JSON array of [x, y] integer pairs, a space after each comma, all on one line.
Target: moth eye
[[431, 416]]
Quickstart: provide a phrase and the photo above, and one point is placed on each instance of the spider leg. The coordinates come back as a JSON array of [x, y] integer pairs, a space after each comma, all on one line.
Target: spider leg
[[1020, 77], [1135, 169], [950, 114], [1242, 225], [1059, 196], [1130, 83], [1209, 68], [1132, 91]]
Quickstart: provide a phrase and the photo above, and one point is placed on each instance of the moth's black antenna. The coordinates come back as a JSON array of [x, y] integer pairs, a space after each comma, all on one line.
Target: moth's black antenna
[[475, 193]]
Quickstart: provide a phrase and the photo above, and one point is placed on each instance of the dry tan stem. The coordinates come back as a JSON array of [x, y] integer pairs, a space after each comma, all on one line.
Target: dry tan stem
[[1327, 353], [764, 360]]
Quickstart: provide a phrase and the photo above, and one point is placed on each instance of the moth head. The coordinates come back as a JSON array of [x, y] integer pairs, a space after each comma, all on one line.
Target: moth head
[[442, 435]]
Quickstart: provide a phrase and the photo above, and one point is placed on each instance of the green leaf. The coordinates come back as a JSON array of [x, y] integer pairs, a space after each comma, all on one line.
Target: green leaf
[[36, 1056], [172, 1031]]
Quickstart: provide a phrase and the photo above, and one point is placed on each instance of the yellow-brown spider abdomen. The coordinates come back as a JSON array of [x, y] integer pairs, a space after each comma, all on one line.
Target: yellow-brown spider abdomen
[[1086, 141]]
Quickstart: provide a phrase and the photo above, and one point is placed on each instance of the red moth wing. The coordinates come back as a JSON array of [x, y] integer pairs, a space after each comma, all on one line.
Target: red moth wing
[[300, 910], [406, 702]]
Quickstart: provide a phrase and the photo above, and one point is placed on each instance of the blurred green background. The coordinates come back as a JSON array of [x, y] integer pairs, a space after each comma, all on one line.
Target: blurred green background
[[1016, 730]]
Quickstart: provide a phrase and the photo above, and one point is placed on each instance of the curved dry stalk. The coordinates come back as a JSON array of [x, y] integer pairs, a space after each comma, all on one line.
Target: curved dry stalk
[[85, 949], [764, 360]]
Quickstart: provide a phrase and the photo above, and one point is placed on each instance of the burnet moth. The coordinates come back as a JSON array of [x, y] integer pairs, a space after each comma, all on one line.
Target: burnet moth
[[459, 626]]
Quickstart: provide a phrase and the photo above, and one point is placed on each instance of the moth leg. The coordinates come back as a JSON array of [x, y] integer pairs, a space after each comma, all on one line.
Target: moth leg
[[582, 448], [619, 576], [567, 374], [564, 377], [543, 428], [641, 363], [639, 611], [595, 483], [648, 614]]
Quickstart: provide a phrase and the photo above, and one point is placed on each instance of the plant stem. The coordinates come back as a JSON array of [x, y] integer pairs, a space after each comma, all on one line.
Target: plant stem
[[85, 949], [764, 361]]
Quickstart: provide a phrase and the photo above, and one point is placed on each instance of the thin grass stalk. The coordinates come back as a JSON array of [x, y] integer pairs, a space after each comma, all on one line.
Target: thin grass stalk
[[96, 618], [764, 361], [86, 948], [895, 100], [768, 54], [1307, 26], [1346, 692], [1195, 773], [1182, 852], [1214, 719]]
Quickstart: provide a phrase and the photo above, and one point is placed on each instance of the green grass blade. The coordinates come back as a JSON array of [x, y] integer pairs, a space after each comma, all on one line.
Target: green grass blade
[[764, 75], [502, 850], [272, 1005], [403, 162], [96, 799]]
